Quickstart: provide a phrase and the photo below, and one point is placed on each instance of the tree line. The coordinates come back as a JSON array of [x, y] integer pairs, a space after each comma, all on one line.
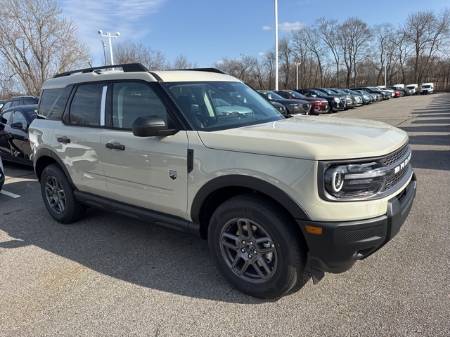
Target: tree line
[[330, 53], [37, 41]]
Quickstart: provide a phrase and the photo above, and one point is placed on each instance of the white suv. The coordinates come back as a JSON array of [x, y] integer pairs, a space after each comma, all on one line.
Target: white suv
[[198, 150]]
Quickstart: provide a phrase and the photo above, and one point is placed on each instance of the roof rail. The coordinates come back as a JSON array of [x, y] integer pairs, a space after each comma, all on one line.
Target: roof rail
[[209, 70], [129, 67]]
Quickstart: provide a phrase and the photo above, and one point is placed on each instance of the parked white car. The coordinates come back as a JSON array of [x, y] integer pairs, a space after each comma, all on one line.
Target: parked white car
[[412, 89], [427, 88]]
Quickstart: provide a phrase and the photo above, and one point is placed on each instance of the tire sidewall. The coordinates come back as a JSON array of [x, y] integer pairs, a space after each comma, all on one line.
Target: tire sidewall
[[288, 265], [68, 215]]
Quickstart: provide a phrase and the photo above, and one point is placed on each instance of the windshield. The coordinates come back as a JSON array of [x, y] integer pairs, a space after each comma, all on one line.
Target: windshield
[[221, 105], [297, 95], [329, 92], [426, 86], [271, 95]]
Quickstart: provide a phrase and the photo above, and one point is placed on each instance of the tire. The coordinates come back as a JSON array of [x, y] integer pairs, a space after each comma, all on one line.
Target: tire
[[285, 261], [71, 210]]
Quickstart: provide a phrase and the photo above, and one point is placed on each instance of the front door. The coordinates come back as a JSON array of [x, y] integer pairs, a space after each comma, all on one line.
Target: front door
[[150, 172]]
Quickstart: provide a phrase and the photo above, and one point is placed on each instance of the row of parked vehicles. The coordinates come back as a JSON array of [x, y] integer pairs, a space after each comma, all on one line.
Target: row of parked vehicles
[[317, 101]]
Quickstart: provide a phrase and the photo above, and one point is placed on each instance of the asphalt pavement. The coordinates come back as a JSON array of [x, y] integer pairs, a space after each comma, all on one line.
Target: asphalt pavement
[[109, 275]]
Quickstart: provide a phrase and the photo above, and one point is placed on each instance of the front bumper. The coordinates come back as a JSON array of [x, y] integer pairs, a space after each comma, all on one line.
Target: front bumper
[[343, 243], [338, 106]]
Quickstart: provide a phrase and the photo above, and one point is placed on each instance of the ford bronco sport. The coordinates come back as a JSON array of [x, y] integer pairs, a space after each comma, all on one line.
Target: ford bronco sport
[[198, 150]]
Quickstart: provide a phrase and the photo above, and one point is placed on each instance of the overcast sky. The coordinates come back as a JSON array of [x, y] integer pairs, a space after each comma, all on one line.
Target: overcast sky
[[205, 31]]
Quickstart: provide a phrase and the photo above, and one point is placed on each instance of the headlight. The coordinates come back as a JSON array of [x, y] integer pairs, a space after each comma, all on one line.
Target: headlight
[[336, 99], [281, 109], [353, 181], [294, 107]]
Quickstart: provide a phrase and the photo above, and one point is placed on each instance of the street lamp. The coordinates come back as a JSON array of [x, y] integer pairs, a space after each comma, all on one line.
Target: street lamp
[[385, 76], [276, 43], [110, 36], [297, 64]]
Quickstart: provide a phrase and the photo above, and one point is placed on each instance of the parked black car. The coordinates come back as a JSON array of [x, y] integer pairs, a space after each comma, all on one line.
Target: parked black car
[[14, 142], [18, 101], [280, 107], [334, 101], [318, 105], [293, 106]]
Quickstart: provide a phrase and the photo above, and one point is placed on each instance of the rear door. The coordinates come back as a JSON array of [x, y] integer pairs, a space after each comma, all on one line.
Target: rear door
[[149, 172], [79, 137]]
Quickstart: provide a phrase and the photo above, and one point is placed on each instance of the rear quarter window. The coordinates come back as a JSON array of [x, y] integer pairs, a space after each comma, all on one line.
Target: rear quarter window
[[53, 102]]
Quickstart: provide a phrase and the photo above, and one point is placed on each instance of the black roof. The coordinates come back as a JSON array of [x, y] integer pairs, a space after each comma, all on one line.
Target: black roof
[[22, 108]]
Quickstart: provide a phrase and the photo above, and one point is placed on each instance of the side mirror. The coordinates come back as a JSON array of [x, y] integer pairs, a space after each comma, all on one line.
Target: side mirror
[[151, 127], [18, 126]]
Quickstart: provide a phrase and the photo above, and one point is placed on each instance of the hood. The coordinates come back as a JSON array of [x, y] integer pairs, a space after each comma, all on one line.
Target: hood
[[308, 137]]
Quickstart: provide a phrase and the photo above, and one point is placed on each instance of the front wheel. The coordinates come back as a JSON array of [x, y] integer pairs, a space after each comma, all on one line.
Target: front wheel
[[255, 248]]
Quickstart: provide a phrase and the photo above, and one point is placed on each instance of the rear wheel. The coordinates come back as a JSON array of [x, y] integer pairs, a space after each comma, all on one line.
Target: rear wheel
[[255, 248], [58, 196]]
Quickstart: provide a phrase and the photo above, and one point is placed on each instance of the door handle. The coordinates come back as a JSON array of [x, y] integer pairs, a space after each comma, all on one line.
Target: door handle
[[115, 146], [63, 140]]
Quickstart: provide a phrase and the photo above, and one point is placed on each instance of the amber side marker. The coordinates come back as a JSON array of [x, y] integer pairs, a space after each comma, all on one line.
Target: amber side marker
[[314, 230]]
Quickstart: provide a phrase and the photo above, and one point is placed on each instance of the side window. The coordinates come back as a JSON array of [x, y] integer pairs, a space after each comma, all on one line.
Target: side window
[[18, 117], [6, 106], [6, 117], [85, 107], [132, 100], [29, 101], [53, 102]]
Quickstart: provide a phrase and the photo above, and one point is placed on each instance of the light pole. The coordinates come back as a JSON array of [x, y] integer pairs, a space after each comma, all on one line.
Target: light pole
[[276, 44], [110, 36], [385, 76], [297, 64], [104, 51]]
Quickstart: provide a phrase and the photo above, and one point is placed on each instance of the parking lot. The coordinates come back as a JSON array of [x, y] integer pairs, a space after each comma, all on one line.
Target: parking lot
[[113, 276]]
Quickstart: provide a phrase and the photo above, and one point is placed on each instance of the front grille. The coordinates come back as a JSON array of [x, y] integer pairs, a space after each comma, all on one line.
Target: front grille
[[393, 161], [393, 179], [395, 156]]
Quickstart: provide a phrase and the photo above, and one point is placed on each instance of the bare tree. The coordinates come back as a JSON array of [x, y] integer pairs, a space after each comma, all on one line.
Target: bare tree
[[354, 36], [285, 58], [328, 30], [314, 44], [131, 52], [426, 32], [37, 42], [181, 62]]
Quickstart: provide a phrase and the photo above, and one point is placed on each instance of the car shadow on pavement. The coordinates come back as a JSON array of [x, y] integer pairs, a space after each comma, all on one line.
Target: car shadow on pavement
[[435, 133], [117, 246], [15, 170], [431, 159]]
